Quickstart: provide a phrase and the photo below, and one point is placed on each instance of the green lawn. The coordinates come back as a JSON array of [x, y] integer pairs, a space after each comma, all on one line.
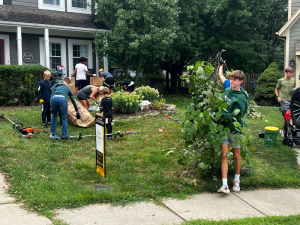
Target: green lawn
[[287, 220], [48, 174]]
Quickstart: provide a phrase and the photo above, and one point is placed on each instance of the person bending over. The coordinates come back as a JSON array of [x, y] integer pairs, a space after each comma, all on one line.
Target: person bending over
[[91, 92], [108, 80], [126, 85], [59, 101]]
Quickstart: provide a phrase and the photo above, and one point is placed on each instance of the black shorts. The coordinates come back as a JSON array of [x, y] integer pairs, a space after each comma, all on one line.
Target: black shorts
[[109, 82], [81, 83], [80, 98], [130, 88]]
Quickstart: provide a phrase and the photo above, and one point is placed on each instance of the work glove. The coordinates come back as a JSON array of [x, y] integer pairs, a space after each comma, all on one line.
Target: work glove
[[41, 101], [94, 74], [78, 115], [97, 102], [221, 62]]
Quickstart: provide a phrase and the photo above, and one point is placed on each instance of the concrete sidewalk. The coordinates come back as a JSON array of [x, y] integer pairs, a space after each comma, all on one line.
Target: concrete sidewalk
[[258, 203]]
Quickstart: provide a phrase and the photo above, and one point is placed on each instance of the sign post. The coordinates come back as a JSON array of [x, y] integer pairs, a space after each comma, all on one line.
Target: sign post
[[100, 145]]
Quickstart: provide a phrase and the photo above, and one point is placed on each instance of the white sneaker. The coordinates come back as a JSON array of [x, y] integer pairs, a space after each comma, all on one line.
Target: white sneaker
[[236, 186], [224, 190], [282, 133]]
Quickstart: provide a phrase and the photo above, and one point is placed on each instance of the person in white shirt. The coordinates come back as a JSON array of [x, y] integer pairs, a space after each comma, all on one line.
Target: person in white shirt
[[81, 71]]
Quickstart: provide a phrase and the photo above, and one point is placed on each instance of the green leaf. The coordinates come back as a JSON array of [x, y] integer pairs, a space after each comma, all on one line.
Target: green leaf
[[202, 165], [200, 70], [207, 145], [236, 124], [247, 161], [236, 111]]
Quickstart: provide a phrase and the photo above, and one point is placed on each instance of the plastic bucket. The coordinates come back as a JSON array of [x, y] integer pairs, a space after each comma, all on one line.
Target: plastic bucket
[[271, 136]]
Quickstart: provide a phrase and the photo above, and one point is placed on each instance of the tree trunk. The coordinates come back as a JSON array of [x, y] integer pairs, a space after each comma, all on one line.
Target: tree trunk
[[174, 77], [126, 65], [167, 80], [138, 68]]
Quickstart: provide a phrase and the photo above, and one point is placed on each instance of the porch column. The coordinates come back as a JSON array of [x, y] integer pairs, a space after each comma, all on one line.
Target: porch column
[[105, 60], [46, 42], [97, 65], [19, 45], [105, 63]]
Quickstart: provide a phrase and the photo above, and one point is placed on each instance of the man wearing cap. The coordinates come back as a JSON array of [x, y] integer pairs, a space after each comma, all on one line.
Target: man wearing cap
[[108, 80]]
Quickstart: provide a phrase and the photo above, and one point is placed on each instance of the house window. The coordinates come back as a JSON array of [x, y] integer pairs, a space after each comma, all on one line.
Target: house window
[[51, 2], [55, 55], [79, 6], [79, 51], [57, 5]]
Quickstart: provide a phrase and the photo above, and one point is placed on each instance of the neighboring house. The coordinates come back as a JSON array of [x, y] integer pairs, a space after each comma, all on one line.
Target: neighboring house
[[290, 32], [48, 32]]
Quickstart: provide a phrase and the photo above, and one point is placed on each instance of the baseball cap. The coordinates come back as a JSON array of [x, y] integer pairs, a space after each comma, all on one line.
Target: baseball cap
[[101, 70], [100, 88]]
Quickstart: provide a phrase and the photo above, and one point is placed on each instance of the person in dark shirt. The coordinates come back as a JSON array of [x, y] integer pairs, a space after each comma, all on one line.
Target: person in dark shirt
[[126, 85], [44, 94], [106, 107], [108, 80]]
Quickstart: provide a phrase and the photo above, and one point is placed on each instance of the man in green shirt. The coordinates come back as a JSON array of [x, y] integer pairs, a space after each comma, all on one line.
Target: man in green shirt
[[284, 91]]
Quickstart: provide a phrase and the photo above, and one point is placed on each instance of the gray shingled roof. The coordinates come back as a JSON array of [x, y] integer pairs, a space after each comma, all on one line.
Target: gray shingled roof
[[30, 15]]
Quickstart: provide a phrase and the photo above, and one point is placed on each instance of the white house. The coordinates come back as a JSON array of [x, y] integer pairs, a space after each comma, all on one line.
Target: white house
[[48, 32]]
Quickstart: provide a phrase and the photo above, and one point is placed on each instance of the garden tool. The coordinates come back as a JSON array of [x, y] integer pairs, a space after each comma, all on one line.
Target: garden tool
[[178, 121], [80, 136], [119, 133], [26, 132]]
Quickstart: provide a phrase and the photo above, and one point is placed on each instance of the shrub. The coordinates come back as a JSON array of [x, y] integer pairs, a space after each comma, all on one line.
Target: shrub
[[147, 93], [159, 104], [265, 90], [19, 82], [126, 102]]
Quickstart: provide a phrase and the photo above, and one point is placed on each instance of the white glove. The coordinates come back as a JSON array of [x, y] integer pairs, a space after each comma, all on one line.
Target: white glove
[[94, 75]]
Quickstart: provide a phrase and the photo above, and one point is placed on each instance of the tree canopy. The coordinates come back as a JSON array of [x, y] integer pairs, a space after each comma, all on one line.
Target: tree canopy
[[176, 32], [138, 28]]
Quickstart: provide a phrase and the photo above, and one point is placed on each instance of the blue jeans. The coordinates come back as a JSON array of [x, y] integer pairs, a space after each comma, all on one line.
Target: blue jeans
[[61, 104]]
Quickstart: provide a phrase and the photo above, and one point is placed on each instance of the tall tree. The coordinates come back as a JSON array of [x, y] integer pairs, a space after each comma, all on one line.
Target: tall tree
[[138, 28], [246, 29], [187, 41]]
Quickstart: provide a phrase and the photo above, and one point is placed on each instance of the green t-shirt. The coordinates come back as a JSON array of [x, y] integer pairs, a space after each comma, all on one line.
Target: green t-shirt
[[285, 88]]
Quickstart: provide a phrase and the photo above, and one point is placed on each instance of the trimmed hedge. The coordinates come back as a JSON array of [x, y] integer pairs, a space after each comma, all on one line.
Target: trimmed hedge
[[265, 90], [20, 83]]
